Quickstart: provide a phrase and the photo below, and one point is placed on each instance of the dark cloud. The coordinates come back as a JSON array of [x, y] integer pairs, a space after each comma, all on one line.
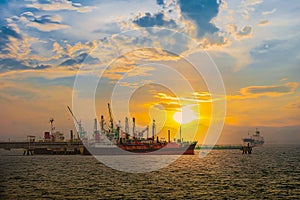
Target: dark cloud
[[44, 1], [265, 46], [5, 33], [8, 64], [245, 31], [42, 67], [273, 89], [151, 20], [201, 12], [160, 2], [45, 19], [270, 90], [84, 57]]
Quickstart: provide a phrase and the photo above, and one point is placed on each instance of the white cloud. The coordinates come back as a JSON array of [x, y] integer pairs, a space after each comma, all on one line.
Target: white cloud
[[60, 5], [269, 12], [47, 27]]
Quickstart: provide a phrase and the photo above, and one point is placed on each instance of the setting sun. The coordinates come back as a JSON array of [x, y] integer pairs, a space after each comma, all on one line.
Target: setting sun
[[186, 115]]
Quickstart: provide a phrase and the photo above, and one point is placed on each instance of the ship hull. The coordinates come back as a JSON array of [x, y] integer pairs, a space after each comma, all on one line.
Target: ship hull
[[140, 150]]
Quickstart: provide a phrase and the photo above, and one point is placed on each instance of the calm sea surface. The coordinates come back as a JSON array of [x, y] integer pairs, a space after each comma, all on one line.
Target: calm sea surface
[[271, 172]]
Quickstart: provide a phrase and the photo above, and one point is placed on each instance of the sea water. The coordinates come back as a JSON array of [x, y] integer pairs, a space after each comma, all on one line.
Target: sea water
[[271, 172]]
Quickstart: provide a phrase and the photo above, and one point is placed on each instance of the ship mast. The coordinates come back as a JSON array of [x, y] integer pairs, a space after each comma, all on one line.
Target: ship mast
[[52, 128]]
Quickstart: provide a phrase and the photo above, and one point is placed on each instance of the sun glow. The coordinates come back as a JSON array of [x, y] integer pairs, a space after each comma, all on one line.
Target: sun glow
[[186, 115]]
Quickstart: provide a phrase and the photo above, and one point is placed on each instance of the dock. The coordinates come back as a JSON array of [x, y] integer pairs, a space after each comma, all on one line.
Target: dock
[[33, 147]]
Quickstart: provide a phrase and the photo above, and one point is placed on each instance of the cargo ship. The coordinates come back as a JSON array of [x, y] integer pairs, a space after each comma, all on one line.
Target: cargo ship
[[115, 141], [140, 146]]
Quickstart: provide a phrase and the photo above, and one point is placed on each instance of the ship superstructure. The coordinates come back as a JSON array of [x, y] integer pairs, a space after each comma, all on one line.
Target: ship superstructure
[[255, 140]]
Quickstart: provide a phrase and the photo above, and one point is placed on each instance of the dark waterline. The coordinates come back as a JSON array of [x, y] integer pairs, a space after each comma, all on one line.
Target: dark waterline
[[271, 172]]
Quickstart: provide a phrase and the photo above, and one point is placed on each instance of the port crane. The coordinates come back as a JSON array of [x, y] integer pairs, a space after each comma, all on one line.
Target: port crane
[[81, 131], [111, 130], [153, 129], [111, 121], [126, 125], [141, 133]]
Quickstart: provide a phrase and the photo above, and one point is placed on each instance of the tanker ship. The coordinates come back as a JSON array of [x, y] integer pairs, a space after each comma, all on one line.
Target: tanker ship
[[255, 140]]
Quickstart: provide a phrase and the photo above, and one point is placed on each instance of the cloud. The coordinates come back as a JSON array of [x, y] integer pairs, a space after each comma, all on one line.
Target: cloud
[[201, 12], [266, 46], [251, 2], [245, 32], [44, 23], [8, 33], [160, 2], [56, 5], [136, 60], [73, 50], [168, 106], [10, 64], [269, 12], [198, 97], [214, 40], [134, 85], [263, 23], [17, 45], [84, 57], [40, 67], [294, 105], [151, 20], [108, 28], [269, 91]]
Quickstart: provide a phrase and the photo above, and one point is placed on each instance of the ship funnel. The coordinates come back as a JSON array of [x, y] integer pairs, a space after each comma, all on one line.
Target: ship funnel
[[133, 127], [71, 135]]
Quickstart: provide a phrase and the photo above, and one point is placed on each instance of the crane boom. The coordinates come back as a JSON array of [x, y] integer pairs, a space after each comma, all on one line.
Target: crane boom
[[143, 131], [81, 131], [126, 125], [73, 115]]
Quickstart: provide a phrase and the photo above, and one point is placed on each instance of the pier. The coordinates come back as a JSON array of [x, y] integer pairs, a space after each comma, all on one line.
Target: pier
[[33, 147]]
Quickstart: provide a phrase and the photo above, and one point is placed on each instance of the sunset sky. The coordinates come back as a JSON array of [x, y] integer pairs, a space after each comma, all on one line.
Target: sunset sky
[[145, 47]]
